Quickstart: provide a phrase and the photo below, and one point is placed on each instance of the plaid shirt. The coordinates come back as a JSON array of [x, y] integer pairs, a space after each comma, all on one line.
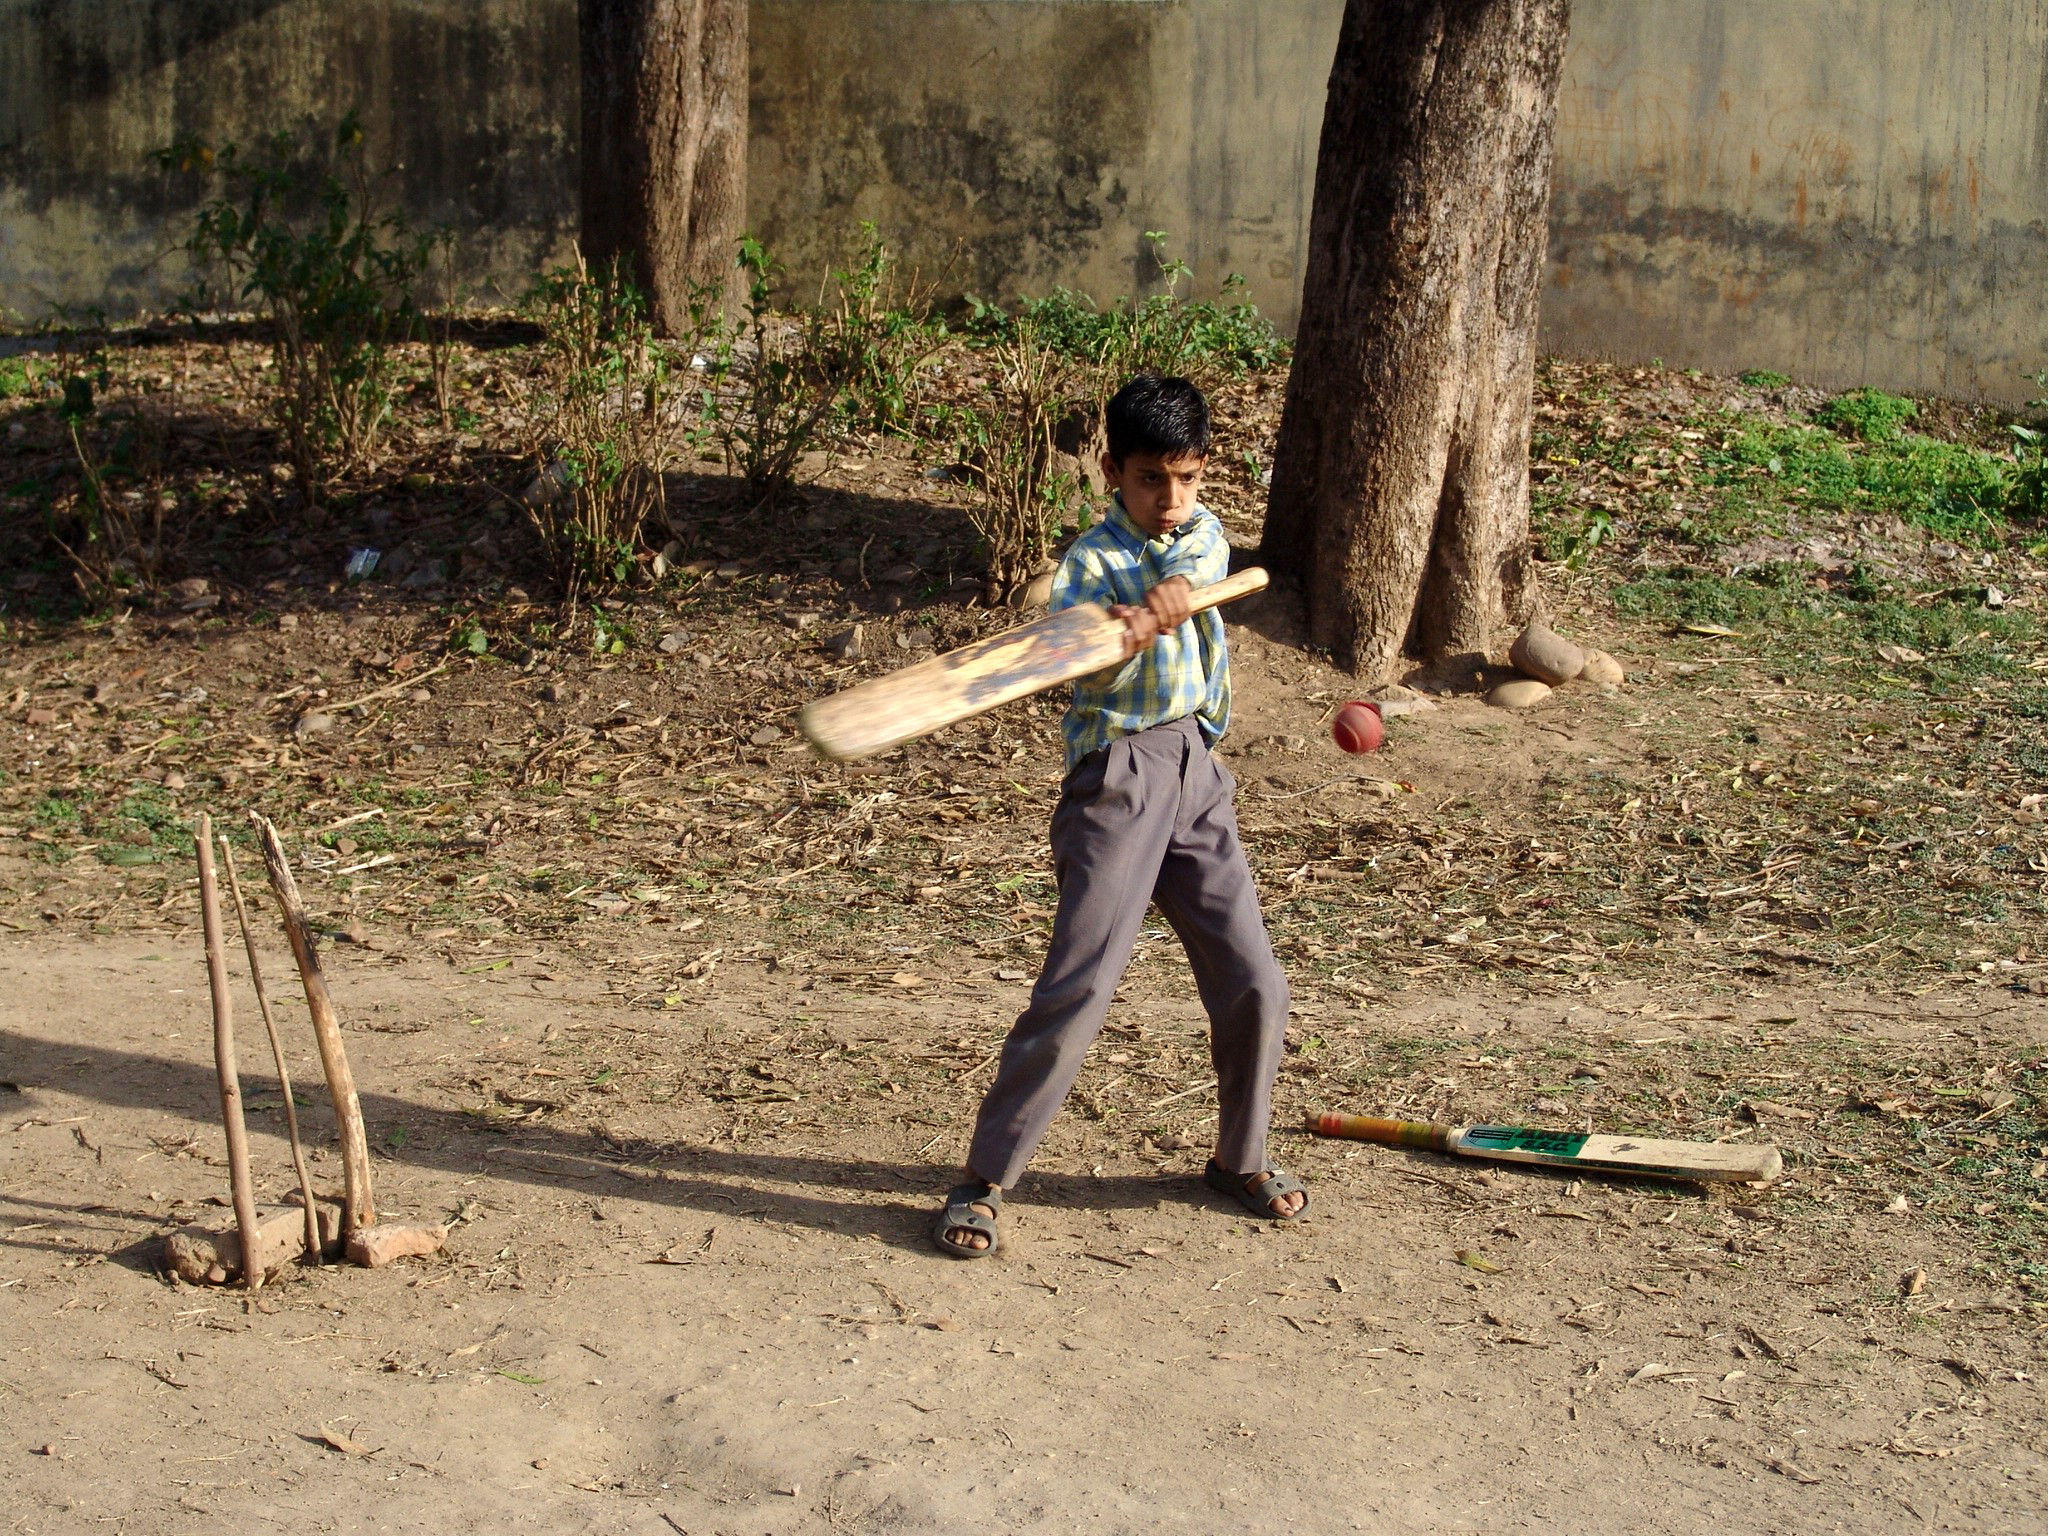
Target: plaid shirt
[[1185, 672]]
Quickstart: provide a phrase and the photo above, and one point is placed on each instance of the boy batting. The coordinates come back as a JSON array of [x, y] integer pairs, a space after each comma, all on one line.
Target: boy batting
[[1144, 815]]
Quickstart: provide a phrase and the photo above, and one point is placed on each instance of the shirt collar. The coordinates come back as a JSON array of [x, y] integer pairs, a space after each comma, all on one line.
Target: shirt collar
[[1135, 537]]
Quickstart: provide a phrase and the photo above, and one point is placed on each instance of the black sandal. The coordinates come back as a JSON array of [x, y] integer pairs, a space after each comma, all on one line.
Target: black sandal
[[960, 1215], [1256, 1192]]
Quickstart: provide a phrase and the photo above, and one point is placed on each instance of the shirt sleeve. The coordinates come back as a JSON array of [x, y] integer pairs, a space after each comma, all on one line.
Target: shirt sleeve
[[1079, 579], [1201, 554]]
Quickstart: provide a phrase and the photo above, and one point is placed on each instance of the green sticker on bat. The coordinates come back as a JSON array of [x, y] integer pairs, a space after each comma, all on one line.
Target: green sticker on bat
[[1520, 1138]]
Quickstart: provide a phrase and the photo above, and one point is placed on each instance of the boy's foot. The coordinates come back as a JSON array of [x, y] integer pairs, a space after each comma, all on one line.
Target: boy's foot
[[966, 1227], [1270, 1193]]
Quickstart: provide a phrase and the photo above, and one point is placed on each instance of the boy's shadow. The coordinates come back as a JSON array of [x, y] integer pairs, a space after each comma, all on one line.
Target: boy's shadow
[[768, 1186]]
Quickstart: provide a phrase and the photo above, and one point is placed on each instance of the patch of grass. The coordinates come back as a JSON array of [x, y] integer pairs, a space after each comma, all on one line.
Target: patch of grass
[[1760, 470], [1762, 378], [17, 379], [1682, 594], [1869, 414], [58, 813]]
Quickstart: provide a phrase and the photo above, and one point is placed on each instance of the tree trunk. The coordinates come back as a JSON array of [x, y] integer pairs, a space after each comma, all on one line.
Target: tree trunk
[[665, 144], [1401, 482]]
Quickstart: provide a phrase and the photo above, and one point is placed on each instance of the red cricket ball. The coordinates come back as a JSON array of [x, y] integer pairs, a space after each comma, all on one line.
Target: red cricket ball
[[1357, 727]]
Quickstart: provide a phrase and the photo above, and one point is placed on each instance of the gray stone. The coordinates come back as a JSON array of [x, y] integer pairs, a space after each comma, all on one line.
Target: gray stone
[[195, 594], [318, 723], [848, 645]]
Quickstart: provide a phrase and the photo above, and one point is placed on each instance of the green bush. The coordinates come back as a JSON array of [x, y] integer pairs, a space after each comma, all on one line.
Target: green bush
[[1870, 414], [878, 341], [772, 379], [1206, 340], [1004, 437], [597, 424], [295, 231], [17, 379], [1762, 378]]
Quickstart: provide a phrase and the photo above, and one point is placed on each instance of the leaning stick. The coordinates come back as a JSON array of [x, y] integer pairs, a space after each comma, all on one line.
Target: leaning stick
[[359, 1209], [224, 1059], [284, 1078]]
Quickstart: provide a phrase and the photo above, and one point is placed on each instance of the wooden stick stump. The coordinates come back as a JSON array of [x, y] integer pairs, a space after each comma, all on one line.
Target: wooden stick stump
[[239, 1184], [284, 1078], [359, 1204]]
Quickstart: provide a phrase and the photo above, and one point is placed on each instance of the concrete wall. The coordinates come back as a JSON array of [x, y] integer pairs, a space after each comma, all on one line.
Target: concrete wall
[[1854, 191], [473, 102]]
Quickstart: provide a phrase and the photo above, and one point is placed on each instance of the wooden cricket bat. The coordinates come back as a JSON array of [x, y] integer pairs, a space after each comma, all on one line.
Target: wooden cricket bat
[[1704, 1162], [915, 701]]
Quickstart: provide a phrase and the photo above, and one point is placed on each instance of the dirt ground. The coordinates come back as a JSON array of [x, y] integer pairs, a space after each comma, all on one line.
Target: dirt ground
[[682, 1032], [671, 1318]]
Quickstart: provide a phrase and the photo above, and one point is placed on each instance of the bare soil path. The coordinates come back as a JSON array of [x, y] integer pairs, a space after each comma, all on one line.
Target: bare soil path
[[680, 1316]]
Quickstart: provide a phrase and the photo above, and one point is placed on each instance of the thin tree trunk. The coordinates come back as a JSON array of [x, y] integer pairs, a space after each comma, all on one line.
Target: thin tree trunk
[[664, 153], [1401, 484]]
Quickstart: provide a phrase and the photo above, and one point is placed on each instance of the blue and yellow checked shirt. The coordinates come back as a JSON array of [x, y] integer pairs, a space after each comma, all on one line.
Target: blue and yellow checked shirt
[[1186, 672]]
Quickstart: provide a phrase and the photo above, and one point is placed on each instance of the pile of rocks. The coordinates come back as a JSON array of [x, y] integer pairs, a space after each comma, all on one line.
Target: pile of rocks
[[1548, 661]]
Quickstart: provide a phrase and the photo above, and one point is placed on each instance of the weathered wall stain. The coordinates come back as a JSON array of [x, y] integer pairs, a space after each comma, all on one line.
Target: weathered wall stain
[[1848, 190], [1852, 190], [472, 102]]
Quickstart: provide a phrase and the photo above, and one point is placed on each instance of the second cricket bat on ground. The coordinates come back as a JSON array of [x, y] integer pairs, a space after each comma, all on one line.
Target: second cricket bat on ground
[[1705, 1162], [911, 702]]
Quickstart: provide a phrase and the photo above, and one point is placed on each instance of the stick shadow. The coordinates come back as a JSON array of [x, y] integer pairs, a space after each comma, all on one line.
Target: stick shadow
[[770, 1187]]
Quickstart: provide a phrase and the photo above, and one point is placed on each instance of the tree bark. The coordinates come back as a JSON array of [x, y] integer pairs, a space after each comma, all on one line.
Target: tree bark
[[1401, 485], [664, 156]]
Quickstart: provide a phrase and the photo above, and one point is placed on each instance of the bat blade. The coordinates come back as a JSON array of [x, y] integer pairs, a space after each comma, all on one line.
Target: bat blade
[[1703, 1162], [916, 700]]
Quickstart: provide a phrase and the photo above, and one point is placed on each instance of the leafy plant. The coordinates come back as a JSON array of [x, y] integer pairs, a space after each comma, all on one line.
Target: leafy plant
[[17, 378], [468, 636], [298, 233], [772, 382], [1006, 440], [113, 537], [609, 634], [2026, 495], [877, 342], [1574, 546], [1762, 378], [1166, 332], [1870, 414], [597, 419]]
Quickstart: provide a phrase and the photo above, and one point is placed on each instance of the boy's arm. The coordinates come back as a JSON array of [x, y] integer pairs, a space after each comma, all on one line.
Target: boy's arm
[[1199, 556]]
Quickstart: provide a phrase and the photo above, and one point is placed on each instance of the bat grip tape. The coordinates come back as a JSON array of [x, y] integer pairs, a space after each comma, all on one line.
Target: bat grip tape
[[1392, 1133]]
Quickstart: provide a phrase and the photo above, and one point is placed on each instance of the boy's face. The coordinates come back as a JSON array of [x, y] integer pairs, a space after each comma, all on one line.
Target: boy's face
[[1158, 493]]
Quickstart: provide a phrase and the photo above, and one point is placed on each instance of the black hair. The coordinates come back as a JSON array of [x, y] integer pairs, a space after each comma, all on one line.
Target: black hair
[[1163, 416]]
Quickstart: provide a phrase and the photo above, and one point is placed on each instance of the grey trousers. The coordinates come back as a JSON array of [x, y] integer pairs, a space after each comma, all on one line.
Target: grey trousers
[[1147, 819]]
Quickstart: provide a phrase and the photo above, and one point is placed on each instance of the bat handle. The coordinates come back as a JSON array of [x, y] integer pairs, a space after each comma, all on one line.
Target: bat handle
[[1247, 581], [1392, 1133]]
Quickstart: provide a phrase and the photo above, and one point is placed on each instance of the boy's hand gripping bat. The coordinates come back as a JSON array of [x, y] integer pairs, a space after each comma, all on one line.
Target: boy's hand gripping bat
[[914, 701]]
